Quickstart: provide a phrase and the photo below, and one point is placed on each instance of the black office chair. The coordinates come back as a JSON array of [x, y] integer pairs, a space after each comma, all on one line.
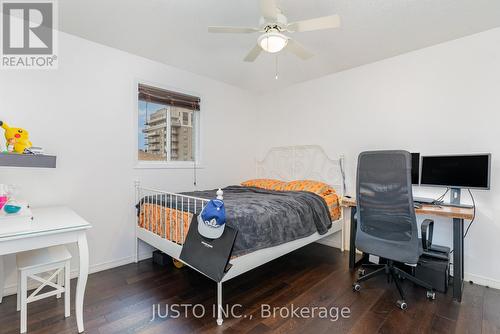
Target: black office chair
[[386, 222]]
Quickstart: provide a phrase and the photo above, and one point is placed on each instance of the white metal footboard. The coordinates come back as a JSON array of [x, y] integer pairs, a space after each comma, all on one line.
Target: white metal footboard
[[166, 214], [162, 212]]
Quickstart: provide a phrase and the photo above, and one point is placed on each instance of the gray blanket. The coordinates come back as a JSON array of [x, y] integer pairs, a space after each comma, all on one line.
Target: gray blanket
[[266, 218]]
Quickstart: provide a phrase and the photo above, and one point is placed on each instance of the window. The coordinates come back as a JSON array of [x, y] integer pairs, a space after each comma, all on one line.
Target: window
[[167, 125]]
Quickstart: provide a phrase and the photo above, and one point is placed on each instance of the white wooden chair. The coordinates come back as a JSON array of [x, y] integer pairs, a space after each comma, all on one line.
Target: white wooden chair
[[32, 263]]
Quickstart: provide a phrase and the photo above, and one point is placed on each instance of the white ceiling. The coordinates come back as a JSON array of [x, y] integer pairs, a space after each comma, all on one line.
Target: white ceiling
[[174, 32]]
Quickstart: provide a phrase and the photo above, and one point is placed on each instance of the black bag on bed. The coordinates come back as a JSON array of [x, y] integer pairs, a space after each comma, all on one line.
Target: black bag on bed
[[209, 256]]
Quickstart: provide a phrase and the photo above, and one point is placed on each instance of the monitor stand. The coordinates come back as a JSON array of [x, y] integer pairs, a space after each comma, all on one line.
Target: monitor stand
[[455, 199]]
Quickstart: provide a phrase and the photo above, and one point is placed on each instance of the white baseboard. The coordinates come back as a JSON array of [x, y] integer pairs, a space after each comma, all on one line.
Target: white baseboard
[[115, 263], [334, 240], [329, 242], [481, 280], [12, 288]]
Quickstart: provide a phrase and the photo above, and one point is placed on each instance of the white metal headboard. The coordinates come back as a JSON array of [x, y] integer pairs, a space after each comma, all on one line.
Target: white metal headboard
[[302, 162]]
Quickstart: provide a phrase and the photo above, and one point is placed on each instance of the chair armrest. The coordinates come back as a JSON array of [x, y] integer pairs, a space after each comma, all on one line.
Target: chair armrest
[[427, 230]]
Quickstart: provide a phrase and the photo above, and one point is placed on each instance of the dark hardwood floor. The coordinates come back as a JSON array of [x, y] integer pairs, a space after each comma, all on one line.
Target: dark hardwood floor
[[120, 301]]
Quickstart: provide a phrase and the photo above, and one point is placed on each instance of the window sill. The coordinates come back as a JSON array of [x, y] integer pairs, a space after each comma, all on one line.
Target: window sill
[[166, 165]]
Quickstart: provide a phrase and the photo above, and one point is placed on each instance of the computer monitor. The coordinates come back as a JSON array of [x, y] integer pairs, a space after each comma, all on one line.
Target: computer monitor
[[457, 171], [415, 168]]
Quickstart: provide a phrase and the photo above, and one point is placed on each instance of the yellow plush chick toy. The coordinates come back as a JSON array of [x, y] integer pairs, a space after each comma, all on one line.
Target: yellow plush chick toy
[[17, 137]]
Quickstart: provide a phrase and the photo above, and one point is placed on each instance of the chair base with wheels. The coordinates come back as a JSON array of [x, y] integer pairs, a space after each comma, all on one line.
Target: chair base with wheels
[[31, 264], [394, 273]]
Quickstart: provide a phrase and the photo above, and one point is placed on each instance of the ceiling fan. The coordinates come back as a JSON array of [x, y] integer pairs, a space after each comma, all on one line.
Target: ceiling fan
[[273, 24]]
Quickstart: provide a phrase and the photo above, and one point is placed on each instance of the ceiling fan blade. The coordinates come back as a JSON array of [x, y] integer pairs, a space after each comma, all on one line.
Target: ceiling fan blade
[[269, 9], [233, 30], [253, 54], [298, 50], [319, 23]]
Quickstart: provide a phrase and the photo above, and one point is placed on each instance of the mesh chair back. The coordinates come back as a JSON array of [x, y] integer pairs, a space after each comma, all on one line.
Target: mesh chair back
[[387, 225]]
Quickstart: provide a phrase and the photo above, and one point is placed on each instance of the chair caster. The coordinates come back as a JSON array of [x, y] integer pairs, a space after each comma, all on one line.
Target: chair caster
[[356, 287], [431, 295], [402, 304], [361, 272]]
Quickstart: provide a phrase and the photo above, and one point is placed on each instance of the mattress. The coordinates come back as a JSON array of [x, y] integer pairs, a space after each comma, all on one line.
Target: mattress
[[264, 218]]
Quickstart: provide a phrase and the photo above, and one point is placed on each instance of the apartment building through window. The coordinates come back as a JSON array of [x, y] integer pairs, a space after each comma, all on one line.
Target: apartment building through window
[[167, 125]]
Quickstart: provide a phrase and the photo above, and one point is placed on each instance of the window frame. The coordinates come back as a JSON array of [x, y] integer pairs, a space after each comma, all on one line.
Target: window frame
[[197, 132]]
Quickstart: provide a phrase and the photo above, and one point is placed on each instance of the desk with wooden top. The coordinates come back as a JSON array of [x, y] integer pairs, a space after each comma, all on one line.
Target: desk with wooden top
[[458, 215]]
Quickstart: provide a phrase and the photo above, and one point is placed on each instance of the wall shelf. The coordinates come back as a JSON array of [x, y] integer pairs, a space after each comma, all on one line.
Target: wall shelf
[[27, 160]]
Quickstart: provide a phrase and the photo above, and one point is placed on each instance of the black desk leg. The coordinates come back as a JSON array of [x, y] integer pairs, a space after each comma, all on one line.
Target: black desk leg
[[458, 258], [352, 239], [352, 244]]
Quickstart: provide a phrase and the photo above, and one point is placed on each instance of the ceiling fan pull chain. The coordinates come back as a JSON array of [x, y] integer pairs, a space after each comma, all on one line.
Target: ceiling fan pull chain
[[276, 77]]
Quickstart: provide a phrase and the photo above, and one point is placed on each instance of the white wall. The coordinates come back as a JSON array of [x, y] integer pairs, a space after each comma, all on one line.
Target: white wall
[[442, 99], [85, 111]]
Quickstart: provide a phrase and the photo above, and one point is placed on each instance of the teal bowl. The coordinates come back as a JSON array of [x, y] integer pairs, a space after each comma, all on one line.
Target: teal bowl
[[9, 208]]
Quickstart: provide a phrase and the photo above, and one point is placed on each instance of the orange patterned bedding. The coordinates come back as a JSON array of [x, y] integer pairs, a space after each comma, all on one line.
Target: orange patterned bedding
[[154, 217], [333, 202], [319, 188]]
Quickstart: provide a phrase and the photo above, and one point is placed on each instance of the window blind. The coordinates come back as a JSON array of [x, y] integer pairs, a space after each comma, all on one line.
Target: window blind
[[167, 97]]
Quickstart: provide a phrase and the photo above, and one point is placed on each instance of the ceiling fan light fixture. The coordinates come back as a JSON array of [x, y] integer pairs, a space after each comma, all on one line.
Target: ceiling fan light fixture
[[272, 42]]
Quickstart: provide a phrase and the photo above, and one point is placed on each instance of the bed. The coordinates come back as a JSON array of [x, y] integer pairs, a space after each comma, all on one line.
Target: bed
[[297, 218]]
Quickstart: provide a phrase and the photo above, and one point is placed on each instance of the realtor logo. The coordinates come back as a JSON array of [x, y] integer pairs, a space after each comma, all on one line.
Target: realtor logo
[[28, 34]]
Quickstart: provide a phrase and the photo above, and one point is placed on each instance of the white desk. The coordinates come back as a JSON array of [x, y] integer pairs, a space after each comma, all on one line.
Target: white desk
[[52, 226]]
